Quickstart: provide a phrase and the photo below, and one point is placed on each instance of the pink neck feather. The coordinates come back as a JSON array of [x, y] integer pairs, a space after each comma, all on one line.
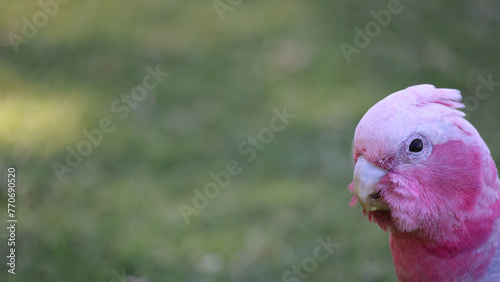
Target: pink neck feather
[[419, 259]]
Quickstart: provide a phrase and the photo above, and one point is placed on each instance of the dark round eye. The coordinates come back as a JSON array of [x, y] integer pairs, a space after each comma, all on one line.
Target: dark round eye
[[416, 145]]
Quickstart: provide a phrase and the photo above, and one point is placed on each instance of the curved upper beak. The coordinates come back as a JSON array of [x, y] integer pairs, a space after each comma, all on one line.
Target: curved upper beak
[[366, 178]]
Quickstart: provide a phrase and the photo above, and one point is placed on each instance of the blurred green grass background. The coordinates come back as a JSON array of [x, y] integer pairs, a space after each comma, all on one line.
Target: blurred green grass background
[[116, 216]]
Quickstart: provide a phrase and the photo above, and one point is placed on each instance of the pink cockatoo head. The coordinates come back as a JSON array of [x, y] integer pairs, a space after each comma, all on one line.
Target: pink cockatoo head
[[422, 171]]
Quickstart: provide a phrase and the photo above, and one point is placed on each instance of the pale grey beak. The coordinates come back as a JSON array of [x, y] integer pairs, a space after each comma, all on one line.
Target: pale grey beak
[[366, 178]]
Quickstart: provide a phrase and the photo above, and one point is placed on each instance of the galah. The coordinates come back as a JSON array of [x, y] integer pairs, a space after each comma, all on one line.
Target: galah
[[425, 175]]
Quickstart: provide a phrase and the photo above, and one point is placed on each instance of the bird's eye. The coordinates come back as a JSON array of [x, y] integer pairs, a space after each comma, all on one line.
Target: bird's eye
[[415, 148], [416, 145]]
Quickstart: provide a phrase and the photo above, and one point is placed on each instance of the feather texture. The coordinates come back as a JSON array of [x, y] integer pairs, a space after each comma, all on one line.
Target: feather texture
[[444, 201]]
